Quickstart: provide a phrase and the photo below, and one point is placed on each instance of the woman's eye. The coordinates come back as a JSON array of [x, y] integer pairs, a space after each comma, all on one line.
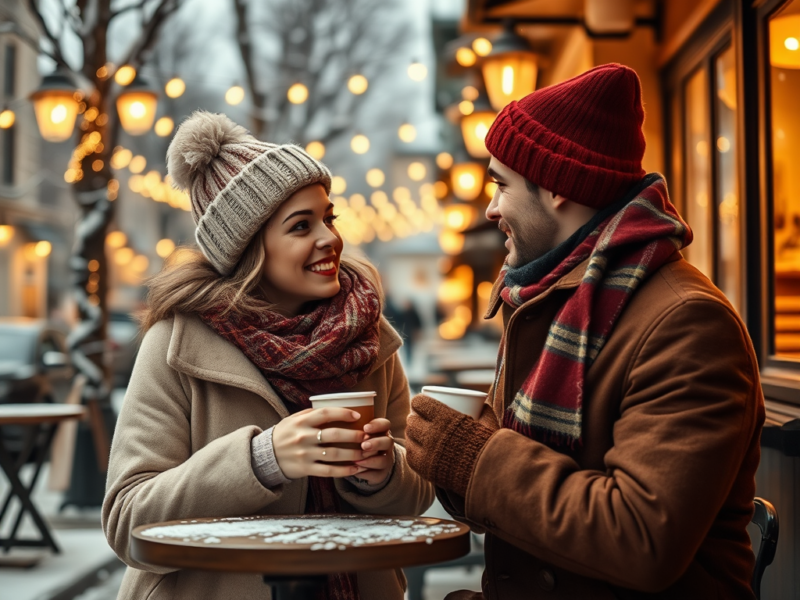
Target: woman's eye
[[330, 219], [300, 226]]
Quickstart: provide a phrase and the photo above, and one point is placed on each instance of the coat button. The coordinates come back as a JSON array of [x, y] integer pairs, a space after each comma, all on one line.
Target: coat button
[[546, 579]]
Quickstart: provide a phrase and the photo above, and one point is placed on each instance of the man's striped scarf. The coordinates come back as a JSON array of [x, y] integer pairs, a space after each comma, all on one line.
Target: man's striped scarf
[[327, 350], [622, 251]]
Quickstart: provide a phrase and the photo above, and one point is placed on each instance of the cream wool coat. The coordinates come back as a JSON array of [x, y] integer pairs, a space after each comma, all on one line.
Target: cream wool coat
[[181, 450]]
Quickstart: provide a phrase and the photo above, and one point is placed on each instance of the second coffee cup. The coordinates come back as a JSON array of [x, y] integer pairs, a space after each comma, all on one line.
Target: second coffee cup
[[469, 402], [361, 402]]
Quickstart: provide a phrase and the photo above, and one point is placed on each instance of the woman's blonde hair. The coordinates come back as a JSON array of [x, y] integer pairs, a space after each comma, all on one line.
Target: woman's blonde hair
[[189, 284]]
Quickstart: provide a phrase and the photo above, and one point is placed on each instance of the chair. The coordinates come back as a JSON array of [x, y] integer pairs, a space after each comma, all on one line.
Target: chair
[[766, 517]]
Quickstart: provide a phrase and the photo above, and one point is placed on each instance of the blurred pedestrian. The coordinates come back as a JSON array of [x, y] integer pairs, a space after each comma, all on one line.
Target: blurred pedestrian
[[616, 457], [217, 420]]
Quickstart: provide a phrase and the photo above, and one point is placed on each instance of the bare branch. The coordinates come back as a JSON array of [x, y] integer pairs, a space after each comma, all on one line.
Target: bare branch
[[56, 54], [135, 6], [150, 31]]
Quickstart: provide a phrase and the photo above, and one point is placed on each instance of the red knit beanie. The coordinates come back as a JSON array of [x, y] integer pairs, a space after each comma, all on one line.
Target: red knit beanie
[[581, 139]]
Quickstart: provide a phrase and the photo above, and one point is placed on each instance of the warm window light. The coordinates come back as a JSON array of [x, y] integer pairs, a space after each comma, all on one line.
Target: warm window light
[[465, 57], [6, 234], [165, 247], [121, 158], [164, 126], [510, 69], [125, 75], [175, 87], [375, 177], [451, 242], [360, 144], [116, 239], [42, 249], [407, 133], [783, 41], [297, 93], [417, 71], [467, 180], [417, 171], [136, 107], [481, 46], [474, 128], [444, 160], [316, 150], [234, 95], [357, 84], [55, 106], [123, 256], [458, 217], [7, 118], [470, 93], [338, 185], [138, 164]]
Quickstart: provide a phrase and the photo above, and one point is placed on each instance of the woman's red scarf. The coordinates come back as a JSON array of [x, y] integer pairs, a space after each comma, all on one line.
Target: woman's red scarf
[[327, 350], [622, 252]]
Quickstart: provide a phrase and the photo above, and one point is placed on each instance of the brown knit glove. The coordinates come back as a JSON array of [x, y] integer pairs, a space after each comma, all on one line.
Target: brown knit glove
[[442, 444]]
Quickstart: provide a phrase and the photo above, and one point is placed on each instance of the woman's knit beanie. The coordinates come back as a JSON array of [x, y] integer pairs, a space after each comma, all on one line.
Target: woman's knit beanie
[[235, 182], [581, 139]]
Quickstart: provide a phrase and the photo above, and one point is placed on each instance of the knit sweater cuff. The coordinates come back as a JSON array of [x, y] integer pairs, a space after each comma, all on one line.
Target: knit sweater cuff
[[458, 454], [265, 465]]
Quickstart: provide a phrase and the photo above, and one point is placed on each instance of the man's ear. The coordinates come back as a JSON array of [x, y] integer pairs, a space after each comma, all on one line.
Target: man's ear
[[558, 201]]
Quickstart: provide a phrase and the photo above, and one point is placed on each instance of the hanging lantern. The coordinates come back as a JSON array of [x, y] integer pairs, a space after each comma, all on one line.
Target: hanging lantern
[[55, 106], [136, 106], [467, 180], [510, 69], [475, 126], [784, 42]]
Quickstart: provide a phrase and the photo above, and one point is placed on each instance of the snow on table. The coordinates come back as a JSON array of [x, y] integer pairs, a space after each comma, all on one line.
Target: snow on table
[[320, 533]]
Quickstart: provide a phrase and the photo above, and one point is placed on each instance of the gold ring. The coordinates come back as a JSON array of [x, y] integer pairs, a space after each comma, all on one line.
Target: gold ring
[[319, 436]]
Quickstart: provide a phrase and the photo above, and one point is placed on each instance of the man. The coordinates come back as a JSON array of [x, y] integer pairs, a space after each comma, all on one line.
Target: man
[[617, 453]]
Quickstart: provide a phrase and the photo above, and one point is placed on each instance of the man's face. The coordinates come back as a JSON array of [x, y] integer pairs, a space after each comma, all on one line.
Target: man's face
[[522, 214]]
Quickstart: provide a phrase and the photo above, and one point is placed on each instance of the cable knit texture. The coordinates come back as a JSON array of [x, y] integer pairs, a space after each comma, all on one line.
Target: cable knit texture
[[443, 444], [581, 139]]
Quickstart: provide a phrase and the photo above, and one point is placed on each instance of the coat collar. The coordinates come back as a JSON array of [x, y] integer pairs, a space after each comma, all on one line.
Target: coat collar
[[568, 281], [198, 351]]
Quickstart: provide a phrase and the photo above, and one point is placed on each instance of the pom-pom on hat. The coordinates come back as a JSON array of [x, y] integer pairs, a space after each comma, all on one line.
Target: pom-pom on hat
[[235, 182], [581, 139]]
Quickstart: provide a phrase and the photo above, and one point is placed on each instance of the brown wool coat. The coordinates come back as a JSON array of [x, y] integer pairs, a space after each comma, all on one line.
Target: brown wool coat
[[182, 450], [655, 503]]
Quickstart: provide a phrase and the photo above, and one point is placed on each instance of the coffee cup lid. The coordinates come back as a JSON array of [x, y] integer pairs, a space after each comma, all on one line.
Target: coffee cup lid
[[344, 396], [456, 391]]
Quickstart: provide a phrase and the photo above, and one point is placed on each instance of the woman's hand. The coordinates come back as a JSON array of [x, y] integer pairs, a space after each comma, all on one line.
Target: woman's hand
[[297, 444], [378, 446]]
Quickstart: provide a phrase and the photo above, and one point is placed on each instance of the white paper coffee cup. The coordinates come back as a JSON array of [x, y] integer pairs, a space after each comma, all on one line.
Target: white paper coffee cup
[[343, 400], [469, 402]]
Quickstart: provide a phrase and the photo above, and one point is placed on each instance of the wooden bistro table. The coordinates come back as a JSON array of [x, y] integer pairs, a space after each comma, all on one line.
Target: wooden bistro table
[[295, 553], [40, 422]]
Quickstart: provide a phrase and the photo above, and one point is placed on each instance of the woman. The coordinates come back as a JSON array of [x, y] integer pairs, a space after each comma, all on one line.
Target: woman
[[216, 421]]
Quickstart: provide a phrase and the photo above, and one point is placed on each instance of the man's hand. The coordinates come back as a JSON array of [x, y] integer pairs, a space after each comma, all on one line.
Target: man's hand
[[442, 444]]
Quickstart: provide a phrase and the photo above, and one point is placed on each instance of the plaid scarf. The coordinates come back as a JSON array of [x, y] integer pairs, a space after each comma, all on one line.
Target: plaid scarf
[[328, 350], [622, 250]]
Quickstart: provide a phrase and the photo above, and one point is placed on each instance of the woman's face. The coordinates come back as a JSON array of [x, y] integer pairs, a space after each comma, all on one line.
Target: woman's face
[[302, 251]]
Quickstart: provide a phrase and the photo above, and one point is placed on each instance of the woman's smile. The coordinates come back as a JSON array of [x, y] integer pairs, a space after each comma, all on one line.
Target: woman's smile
[[327, 267]]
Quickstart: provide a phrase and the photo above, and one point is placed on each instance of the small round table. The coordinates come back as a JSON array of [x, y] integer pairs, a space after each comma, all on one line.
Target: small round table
[[295, 553], [34, 417]]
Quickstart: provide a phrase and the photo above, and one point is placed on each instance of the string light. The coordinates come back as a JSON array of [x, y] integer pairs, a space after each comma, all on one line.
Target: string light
[[316, 150], [375, 177], [444, 160], [165, 247], [164, 126], [417, 71], [465, 57], [234, 95], [357, 84], [481, 46], [338, 185], [125, 75], [360, 144], [297, 93], [175, 87], [7, 118], [417, 171], [407, 133]]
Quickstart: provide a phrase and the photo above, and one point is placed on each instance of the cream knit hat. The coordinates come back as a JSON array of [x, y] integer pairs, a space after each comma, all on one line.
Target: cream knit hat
[[235, 182]]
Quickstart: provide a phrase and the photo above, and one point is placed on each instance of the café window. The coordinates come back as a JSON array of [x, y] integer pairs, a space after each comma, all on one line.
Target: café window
[[703, 178], [783, 173]]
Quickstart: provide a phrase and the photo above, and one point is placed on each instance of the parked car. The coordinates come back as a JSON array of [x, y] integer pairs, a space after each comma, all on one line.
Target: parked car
[[34, 367], [34, 363]]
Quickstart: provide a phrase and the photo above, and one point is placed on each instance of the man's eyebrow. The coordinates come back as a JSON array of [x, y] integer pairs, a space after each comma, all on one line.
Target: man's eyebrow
[[494, 174]]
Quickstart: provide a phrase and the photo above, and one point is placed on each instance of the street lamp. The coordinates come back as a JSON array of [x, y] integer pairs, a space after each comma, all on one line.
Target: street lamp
[[510, 69], [475, 126], [55, 106], [136, 106], [467, 180]]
